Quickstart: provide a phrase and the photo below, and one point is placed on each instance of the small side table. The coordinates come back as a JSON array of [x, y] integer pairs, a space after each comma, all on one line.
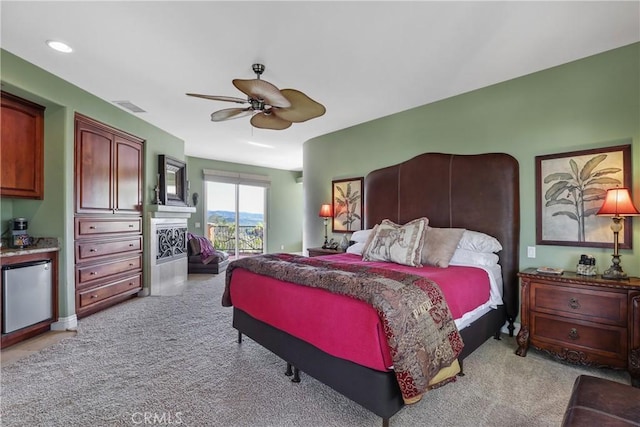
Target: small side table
[[321, 251], [585, 320]]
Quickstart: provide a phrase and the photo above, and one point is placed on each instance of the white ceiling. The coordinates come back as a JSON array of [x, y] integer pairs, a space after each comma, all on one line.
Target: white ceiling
[[362, 60]]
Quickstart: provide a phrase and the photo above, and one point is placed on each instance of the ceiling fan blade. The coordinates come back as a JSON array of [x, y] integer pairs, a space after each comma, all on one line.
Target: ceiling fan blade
[[302, 107], [269, 121], [230, 113], [219, 98], [262, 90]]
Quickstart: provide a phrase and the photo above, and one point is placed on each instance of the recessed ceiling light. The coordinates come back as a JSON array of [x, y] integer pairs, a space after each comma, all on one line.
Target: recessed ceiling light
[[258, 144], [59, 46]]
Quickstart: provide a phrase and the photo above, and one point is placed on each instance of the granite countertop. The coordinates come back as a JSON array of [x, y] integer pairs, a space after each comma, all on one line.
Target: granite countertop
[[40, 244]]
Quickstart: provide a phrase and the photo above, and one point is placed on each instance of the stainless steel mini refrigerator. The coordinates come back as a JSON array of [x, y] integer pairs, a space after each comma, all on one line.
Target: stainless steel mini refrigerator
[[26, 294]]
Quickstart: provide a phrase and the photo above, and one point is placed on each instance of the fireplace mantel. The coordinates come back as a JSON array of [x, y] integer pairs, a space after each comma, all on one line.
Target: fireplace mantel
[[166, 250], [169, 211]]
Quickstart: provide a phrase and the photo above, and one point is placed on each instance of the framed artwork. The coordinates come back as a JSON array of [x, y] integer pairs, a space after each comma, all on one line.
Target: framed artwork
[[348, 209], [172, 181], [570, 189]]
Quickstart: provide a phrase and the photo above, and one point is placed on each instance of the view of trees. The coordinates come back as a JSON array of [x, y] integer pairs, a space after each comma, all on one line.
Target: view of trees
[[222, 231]]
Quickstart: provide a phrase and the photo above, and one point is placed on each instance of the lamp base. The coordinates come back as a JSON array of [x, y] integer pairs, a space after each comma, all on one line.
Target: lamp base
[[615, 272]]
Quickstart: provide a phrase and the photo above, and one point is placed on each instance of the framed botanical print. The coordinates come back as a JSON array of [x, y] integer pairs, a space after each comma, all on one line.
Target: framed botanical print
[[348, 210], [571, 188]]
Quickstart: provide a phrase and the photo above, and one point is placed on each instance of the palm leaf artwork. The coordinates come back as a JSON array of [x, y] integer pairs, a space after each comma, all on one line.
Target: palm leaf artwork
[[576, 191], [346, 206]]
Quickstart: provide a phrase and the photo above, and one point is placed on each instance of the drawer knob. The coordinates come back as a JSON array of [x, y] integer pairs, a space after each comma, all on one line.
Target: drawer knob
[[573, 334], [93, 273], [92, 227], [130, 245], [130, 225], [573, 303], [93, 250], [94, 296]]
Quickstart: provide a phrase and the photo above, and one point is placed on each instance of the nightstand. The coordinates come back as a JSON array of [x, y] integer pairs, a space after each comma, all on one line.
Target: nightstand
[[322, 251], [585, 320]]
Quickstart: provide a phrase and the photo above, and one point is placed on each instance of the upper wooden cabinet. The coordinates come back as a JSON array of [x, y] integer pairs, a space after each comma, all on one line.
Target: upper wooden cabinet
[[22, 148], [108, 169]]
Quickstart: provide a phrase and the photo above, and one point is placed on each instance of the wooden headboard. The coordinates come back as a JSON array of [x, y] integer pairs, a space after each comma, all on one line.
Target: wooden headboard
[[477, 192]]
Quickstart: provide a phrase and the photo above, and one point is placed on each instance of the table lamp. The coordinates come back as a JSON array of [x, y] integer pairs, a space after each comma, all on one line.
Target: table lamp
[[617, 205], [325, 212]]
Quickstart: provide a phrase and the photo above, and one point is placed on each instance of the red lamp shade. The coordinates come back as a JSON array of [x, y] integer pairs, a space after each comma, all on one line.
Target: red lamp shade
[[325, 211], [618, 203]]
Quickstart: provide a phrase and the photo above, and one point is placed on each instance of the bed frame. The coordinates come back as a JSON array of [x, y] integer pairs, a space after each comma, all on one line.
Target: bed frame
[[477, 192]]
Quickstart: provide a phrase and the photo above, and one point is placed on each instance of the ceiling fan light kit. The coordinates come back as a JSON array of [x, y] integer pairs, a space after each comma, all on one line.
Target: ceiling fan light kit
[[270, 107]]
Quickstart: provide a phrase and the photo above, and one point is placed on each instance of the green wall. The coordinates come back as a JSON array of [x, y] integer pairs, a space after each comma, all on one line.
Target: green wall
[[590, 103], [586, 104], [284, 202], [53, 216]]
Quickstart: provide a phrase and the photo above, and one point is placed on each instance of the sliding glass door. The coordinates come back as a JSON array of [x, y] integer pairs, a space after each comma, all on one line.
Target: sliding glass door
[[235, 218]]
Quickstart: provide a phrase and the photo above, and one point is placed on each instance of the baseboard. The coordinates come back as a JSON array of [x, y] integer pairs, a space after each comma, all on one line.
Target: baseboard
[[505, 330], [69, 323]]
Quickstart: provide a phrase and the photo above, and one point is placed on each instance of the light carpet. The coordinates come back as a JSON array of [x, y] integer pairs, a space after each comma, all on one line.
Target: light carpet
[[175, 361]]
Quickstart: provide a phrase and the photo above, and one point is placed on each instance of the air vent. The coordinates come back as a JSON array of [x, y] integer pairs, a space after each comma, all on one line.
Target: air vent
[[130, 106]]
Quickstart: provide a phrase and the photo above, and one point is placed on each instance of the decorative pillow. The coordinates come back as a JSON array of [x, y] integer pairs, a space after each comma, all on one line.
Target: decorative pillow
[[194, 246], [479, 242], [370, 238], [439, 245], [200, 245], [465, 257], [401, 244], [361, 236]]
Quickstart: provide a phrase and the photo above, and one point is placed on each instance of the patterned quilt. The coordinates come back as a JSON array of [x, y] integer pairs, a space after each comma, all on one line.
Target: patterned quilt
[[420, 331]]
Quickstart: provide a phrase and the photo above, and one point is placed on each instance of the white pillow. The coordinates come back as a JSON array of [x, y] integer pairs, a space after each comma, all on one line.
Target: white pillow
[[465, 257], [361, 236], [479, 242], [401, 244], [356, 248]]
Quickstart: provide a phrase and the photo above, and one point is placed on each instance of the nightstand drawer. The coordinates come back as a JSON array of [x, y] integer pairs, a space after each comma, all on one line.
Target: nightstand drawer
[[585, 304], [604, 340]]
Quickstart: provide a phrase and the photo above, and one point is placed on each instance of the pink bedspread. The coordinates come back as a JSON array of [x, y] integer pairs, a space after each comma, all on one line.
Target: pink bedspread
[[342, 326]]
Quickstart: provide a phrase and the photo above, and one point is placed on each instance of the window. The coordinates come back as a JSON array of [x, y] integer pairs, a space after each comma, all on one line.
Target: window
[[235, 214]]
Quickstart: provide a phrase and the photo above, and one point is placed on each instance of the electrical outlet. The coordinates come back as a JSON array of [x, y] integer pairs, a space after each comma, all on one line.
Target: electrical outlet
[[282, 247], [531, 251], [197, 225]]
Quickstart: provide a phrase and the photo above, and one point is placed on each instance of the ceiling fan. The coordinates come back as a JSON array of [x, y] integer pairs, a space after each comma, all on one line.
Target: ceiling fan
[[270, 107]]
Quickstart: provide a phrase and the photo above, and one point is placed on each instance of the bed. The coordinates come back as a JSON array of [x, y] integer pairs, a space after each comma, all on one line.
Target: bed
[[473, 192]]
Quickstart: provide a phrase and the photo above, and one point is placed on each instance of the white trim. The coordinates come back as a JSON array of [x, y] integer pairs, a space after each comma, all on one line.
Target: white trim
[[236, 178], [69, 323]]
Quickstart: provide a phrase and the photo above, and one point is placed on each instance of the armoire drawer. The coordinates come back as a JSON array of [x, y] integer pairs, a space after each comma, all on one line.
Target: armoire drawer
[[94, 227], [93, 272], [87, 250], [100, 293]]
